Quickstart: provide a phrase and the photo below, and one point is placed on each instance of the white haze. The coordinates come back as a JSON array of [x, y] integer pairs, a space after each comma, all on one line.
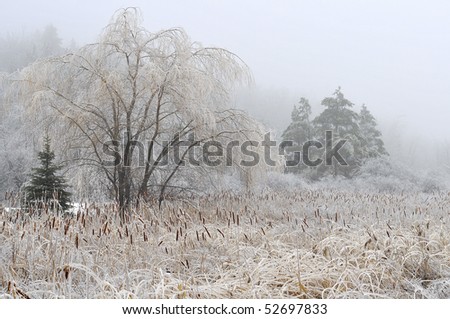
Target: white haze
[[391, 55]]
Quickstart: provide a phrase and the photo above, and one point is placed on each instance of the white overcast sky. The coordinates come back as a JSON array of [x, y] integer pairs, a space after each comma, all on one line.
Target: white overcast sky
[[392, 55]]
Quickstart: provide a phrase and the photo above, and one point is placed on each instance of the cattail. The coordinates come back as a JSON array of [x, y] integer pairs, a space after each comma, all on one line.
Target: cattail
[[367, 243], [207, 231], [66, 271]]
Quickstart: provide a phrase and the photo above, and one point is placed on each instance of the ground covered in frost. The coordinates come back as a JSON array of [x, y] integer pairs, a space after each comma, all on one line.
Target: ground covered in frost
[[302, 244]]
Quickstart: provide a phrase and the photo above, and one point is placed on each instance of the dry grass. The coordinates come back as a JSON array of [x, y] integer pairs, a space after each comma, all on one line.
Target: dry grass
[[307, 244]]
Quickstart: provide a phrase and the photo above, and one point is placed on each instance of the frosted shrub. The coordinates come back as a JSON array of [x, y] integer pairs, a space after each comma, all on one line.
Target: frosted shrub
[[280, 181], [386, 175], [433, 182]]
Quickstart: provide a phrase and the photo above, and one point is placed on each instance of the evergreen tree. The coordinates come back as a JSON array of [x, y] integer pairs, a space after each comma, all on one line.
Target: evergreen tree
[[362, 138], [46, 187], [339, 118], [372, 144], [50, 42], [299, 131], [17, 51]]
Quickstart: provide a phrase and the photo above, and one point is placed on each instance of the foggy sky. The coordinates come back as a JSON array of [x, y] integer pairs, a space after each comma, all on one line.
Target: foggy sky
[[394, 56]]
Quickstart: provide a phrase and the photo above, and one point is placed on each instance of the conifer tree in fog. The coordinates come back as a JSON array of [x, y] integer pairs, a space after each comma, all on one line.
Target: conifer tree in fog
[[372, 143], [362, 138], [339, 118], [299, 131]]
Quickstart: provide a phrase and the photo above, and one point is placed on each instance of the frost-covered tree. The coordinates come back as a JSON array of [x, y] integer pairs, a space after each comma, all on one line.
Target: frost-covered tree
[[134, 85], [299, 131], [14, 155], [46, 186], [16, 143], [338, 115], [19, 50], [339, 118], [362, 138], [372, 143], [49, 42]]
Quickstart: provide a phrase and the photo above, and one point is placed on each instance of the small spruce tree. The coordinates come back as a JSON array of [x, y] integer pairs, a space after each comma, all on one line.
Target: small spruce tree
[[46, 187]]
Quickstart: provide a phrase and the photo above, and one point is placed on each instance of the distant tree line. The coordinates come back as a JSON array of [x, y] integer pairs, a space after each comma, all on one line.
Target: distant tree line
[[18, 141], [19, 50]]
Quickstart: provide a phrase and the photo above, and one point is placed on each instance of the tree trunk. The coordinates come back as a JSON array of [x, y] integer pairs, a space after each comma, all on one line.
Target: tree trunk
[[124, 191]]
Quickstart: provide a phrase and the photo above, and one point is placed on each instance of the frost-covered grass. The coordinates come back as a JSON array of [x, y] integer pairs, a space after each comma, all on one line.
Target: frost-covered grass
[[302, 244]]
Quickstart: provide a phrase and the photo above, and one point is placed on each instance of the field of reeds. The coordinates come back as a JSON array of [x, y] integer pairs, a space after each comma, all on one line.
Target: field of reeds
[[303, 244]]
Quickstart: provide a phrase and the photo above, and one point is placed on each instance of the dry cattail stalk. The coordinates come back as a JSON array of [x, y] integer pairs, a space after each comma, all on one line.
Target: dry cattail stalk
[[76, 241]]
